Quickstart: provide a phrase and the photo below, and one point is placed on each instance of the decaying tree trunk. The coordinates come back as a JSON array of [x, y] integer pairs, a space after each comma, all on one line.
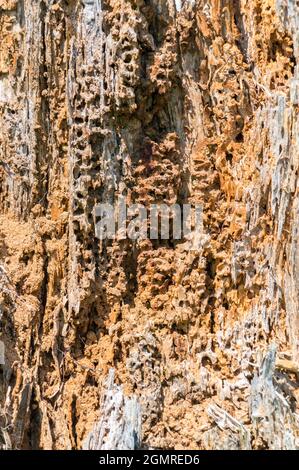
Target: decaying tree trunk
[[192, 101]]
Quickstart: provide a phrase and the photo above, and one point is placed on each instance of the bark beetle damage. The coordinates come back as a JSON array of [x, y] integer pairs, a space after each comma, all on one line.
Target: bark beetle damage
[[126, 345]]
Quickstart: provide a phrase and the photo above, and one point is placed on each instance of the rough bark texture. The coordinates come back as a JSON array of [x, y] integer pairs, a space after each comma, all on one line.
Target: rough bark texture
[[158, 100]]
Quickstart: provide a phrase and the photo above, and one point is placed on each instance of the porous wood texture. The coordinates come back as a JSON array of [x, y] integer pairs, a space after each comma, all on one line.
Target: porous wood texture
[[147, 344]]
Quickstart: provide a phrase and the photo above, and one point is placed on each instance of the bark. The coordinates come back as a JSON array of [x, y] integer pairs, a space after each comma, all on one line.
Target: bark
[[122, 344]]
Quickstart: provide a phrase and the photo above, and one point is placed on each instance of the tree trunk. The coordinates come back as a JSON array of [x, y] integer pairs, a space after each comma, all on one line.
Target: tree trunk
[[148, 343]]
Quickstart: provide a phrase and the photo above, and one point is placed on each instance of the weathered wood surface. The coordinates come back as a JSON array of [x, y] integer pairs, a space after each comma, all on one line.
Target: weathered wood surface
[[161, 100]]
